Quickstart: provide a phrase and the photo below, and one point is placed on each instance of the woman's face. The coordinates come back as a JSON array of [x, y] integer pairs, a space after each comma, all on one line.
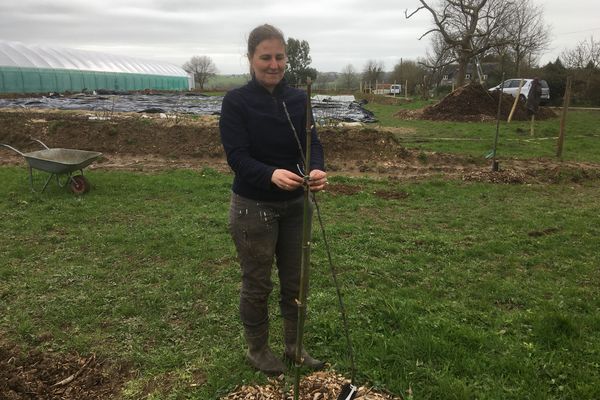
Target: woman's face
[[268, 63]]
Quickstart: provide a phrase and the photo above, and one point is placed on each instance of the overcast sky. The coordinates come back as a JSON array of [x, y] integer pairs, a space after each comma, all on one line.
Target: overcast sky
[[339, 32]]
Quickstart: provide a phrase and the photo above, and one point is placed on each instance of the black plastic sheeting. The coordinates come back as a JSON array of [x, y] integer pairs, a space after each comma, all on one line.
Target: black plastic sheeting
[[327, 110], [154, 103], [330, 109]]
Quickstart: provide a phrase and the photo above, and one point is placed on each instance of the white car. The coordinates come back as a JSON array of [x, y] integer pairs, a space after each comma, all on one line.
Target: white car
[[511, 86]]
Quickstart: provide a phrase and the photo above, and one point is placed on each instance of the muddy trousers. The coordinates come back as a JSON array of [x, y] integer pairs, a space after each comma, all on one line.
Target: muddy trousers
[[264, 232]]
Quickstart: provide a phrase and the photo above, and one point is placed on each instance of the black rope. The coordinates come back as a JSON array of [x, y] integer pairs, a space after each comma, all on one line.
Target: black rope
[[339, 293]]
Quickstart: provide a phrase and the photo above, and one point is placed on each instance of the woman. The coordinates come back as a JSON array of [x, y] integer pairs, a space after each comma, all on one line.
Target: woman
[[267, 194]]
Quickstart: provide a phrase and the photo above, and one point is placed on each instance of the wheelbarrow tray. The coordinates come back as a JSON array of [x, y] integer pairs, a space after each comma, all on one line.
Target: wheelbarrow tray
[[60, 161]]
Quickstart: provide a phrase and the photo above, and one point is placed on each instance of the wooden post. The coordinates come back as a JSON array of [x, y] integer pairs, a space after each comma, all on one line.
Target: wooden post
[[512, 110], [563, 118], [495, 167], [406, 89], [531, 129]]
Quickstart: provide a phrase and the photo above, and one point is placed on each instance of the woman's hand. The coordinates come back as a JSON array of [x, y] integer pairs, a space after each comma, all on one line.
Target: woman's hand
[[286, 180], [317, 180]]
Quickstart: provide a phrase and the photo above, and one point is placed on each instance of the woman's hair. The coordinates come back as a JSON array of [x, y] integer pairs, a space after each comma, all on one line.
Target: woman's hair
[[260, 33]]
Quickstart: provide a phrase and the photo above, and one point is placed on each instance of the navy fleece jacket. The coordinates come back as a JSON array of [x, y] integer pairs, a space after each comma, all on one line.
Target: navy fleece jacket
[[258, 138]]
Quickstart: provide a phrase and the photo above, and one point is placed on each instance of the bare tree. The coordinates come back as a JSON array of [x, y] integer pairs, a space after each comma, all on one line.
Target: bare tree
[[372, 72], [348, 77], [530, 35], [408, 71], [441, 53], [468, 27], [440, 56], [584, 60], [202, 67], [585, 54]]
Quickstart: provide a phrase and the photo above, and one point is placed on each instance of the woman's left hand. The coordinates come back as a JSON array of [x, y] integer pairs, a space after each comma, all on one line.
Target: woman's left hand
[[317, 180]]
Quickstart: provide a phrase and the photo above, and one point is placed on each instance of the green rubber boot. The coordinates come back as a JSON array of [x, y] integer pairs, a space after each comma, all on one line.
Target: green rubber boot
[[289, 333], [259, 355]]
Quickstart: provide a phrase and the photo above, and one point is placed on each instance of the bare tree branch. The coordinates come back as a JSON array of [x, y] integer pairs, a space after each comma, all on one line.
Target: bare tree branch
[[468, 27], [202, 67]]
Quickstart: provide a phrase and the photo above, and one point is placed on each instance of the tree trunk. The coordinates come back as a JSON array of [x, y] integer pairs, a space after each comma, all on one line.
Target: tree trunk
[[518, 60], [462, 71]]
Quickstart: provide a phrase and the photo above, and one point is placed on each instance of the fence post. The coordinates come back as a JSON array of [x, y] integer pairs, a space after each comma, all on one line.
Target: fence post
[[563, 118]]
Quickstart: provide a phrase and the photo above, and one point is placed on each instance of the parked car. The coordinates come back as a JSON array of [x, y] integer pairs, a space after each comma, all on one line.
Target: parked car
[[512, 85]]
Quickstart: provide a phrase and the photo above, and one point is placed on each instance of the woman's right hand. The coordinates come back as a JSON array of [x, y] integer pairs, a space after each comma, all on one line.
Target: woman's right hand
[[286, 180]]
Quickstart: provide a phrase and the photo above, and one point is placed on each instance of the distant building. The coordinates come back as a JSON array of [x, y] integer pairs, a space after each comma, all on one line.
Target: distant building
[[448, 73], [37, 69]]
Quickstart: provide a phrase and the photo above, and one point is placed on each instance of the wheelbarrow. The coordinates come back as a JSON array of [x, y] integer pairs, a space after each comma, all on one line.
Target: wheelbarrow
[[58, 162]]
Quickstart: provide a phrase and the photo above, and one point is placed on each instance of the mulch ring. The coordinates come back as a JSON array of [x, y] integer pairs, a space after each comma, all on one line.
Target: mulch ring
[[502, 176], [573, 174], [51, 376], [474, 103], [322, 385]]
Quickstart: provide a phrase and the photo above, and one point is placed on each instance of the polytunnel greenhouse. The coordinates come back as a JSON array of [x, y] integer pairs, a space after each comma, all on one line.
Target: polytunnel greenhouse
[[37, 69]]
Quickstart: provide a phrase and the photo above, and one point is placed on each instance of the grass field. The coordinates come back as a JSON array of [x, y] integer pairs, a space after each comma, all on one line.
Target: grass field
[[456, 290], [582, 135]]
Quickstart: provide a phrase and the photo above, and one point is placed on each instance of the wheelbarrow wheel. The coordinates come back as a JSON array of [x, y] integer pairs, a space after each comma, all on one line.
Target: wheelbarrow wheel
[[79, 185]]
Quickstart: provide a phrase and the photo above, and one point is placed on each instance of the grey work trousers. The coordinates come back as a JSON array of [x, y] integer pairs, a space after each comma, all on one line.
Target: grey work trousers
[[263, 232]]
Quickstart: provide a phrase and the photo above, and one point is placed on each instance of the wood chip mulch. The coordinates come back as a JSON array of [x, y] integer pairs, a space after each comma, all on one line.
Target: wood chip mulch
[[322, 385], [506, 176]]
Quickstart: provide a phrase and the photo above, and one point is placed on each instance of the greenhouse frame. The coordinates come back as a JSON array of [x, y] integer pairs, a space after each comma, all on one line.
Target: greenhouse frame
[[36, 69]]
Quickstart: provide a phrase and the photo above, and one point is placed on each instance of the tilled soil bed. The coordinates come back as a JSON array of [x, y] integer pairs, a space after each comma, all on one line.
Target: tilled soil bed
[[143, 142]]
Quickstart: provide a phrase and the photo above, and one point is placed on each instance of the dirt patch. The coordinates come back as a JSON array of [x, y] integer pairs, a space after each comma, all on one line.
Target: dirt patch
[[343, 189], [391, 194], [474, 103], [139, 142], [49, 376]]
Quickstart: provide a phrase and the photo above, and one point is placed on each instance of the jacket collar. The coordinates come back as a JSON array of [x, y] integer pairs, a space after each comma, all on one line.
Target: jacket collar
[[276, 92]]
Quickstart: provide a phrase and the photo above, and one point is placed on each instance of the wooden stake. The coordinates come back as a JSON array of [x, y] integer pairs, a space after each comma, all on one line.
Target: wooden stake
[[563, 119], [531, 129], [512, 110], [305, 258]]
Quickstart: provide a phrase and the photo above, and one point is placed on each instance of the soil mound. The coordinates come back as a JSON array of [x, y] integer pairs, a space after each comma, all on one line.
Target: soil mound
[[474, 103]]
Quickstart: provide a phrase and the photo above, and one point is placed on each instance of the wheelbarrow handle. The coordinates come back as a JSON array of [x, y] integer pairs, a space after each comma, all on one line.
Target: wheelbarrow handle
[[40, 142], [12, 148]]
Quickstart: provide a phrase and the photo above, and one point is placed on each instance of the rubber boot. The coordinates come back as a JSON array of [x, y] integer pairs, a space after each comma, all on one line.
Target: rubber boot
[[289, 333], [259, 355]]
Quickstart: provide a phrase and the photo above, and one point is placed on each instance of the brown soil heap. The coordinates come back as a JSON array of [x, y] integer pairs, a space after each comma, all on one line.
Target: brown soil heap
[[474, 103]]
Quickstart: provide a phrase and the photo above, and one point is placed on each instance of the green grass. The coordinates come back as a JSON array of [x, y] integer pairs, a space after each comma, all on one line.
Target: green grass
[[582, 135], [460, 290], [221, 82]]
